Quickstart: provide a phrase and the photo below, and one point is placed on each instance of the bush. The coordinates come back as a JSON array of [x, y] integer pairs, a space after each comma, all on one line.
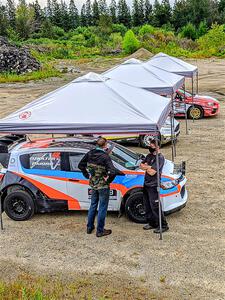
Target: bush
[[202, 29], [189, 31], [146, 29], [115, 40], [130, 42], [213, 39], [120, 28]]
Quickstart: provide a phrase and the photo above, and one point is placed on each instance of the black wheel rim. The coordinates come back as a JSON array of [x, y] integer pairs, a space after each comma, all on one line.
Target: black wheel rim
[[137, 210], [18, 207]]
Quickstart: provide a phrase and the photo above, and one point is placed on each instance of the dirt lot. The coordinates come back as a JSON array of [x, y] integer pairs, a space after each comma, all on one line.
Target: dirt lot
[[187, 264]]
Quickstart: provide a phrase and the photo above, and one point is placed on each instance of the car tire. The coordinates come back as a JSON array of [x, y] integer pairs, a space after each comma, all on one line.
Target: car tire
[[195, 112], [134, 208], [145, 139], [19, 205]]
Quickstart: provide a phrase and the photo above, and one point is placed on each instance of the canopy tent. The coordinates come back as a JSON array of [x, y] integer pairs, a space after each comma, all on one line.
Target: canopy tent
[[173, 65], [137, 73], [83, 107]]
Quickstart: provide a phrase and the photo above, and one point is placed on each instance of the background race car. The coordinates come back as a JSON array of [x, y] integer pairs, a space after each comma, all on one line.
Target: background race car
[[201, 106]]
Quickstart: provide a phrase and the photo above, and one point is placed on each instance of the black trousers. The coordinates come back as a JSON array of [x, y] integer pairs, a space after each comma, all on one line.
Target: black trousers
[[150, 197]]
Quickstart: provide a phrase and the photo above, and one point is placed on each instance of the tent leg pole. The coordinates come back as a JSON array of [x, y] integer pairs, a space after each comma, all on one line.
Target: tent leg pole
[[197, 83], [192, 80], [173, 131], [171, 127], [158, 189], [185, 108], [1, 220]]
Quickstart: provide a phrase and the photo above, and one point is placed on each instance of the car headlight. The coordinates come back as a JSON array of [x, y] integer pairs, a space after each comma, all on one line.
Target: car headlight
[[210, 104], [169, 184]]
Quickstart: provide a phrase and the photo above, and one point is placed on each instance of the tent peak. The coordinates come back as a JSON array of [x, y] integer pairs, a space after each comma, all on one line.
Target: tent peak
[[91, 77], [132, 61]]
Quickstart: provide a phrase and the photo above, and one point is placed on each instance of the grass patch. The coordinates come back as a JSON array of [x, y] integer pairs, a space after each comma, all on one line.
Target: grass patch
[[29, 287], [46, 71]]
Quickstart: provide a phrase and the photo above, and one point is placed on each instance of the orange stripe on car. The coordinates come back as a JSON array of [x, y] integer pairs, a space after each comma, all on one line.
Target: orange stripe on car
[[52, 193]]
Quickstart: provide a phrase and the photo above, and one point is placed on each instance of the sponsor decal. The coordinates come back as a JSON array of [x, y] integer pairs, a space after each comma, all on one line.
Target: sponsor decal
[[112, 194], [25, 115]]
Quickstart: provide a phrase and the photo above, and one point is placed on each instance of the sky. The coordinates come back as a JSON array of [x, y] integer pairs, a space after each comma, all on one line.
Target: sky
[[77, 2]]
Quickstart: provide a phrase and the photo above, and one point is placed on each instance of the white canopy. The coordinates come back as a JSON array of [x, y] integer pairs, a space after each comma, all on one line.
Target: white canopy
[[172, 64], [91, 104], [136, 73]]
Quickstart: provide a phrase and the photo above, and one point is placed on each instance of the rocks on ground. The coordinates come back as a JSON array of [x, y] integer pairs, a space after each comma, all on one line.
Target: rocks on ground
[[16, 60]]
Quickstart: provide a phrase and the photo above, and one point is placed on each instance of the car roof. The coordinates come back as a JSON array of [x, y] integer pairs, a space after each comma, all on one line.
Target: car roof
[[67, 142]]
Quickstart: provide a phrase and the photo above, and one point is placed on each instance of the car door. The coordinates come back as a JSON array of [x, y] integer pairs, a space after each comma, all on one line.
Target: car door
[[77, 184], [44, 170]]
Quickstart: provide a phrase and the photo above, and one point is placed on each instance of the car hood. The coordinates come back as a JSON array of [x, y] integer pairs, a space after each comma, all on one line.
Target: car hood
[[204, 99]]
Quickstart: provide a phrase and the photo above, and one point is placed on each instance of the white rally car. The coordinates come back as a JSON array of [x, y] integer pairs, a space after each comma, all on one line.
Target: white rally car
[[43, 176]]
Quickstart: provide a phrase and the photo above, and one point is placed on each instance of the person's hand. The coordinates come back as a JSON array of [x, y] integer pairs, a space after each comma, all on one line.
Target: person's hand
[[151, 171], [144, 166]]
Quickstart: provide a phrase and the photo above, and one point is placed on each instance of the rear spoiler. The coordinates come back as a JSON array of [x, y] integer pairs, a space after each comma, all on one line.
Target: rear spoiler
[[180, 168], [8, 140]]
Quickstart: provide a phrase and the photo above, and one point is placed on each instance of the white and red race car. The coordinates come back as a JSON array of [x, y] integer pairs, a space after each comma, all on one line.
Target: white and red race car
[[197, 108]]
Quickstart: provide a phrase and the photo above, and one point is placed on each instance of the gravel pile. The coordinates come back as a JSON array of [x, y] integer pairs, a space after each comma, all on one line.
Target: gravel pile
[[16, 60]]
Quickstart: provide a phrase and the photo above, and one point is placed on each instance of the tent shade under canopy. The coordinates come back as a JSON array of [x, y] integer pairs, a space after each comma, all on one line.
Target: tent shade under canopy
[[91, 104], [139, 74], [173, 65]]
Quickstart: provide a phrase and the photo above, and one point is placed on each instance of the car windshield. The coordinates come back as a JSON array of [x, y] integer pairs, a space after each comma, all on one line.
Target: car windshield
[[186, 93], [126, 158]]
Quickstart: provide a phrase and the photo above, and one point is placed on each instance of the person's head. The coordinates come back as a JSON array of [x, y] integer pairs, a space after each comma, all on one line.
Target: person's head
[[102, 143], [154, 143]]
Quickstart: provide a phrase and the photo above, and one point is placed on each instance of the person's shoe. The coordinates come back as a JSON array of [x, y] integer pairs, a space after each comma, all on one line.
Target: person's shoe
[[104, 233], [164, 229], [148, 227], [90, 230]]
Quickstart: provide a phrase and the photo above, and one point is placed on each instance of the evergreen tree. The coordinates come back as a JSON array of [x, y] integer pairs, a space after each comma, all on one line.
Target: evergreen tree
[[88, 12], [38, 15], [83, 16], [180, 16], [73, 15], [142, 11], [124, 16], [48, 10], [103, 8], [148, 12], [199, 11], [113, 12], [11, 13], [24, 19], [4, 23], [64, 16], [56, 13], [95, 12], [162, 13], [135, 13]]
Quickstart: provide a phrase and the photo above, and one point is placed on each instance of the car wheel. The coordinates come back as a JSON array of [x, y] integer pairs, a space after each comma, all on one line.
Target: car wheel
[[195, 112], [145, 140], [134, 208], [19, 205]]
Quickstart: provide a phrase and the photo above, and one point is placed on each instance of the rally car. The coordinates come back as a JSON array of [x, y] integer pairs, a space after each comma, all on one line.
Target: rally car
[[199, 107], [143, 140], [43, 176]]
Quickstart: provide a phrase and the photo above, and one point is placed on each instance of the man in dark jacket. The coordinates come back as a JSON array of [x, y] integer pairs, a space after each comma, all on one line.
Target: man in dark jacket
[[97, 166], [150, 192]]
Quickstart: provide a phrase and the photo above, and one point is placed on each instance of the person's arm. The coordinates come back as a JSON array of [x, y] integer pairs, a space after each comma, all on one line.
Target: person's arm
[[153, 169], [83, 166], [144, 165], [111, 170]]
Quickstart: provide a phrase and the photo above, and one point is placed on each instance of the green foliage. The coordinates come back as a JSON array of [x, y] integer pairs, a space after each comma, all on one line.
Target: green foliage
[[119, 28], [213, 40], [146, 29], [130, 42], [115, 40], [24, 20], [189, 31]]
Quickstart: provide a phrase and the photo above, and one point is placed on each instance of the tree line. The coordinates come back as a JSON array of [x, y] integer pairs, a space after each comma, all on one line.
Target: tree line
[[23, 20]]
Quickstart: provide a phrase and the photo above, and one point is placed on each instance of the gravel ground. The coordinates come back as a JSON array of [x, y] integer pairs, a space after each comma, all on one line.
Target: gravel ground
[[187, 264]]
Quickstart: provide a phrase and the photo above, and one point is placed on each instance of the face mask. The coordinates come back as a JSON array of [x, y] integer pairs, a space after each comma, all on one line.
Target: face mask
[[151, 150]]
